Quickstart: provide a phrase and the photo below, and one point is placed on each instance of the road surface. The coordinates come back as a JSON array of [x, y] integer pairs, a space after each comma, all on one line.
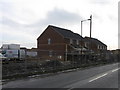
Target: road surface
[[97, 77]]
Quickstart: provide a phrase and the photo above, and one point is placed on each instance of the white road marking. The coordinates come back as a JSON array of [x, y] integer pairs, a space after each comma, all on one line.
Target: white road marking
[[104, 74], [70, 89], [98, 77], [115, 69], [89, 80], [115, 64]]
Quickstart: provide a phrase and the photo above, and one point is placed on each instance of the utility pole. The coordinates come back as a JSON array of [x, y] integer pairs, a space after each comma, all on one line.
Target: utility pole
[[81, 28], [90, 25], [90, 36], [81, 41], [90, 46], [66, 53], [90, 19]]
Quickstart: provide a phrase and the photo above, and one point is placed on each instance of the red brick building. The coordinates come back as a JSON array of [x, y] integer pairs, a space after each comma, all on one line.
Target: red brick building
[[95, 45], [63, 44], [58, 43]]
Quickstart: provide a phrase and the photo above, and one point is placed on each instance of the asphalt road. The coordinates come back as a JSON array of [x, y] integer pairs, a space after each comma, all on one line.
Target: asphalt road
[[97, 77]]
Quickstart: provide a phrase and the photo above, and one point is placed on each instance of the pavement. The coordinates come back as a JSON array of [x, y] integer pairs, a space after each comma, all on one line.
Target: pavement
[[97, 77]]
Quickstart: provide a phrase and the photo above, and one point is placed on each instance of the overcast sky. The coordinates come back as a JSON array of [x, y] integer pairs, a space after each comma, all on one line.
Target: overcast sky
[[22, 21]]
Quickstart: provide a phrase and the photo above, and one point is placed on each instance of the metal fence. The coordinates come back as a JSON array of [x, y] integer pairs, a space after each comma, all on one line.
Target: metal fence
[[34, 66]]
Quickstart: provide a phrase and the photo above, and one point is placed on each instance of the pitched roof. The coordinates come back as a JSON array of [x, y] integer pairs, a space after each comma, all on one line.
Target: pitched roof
[[94, 40], [66, 33]]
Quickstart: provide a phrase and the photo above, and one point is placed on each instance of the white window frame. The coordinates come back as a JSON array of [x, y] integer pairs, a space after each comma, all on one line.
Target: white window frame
[[59, 57], [98, 47], [85, 44], [50, 53], [77, 42], [71, 41], [49, 41]]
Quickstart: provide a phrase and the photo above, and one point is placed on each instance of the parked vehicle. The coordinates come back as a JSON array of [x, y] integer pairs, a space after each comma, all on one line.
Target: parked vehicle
[[2, 57], [14, 54]]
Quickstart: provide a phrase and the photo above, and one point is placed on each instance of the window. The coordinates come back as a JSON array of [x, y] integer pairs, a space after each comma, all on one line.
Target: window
[[50, 53], [77, 42], [60, 57], [105, 47], [71, 41], [102, 47], [86, 44], [49, 41], [98, 47]]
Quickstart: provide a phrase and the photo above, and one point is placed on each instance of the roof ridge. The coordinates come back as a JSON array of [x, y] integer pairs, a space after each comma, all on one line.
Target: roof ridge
[[98, 41], [66, 32], [60, 28]]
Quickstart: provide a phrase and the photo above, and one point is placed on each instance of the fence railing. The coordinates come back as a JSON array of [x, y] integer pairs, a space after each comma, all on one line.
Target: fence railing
[[33, 66]]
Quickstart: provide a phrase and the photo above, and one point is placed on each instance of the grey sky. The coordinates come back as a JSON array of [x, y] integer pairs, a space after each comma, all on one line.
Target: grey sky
[[58, 16], [119, 25], [103, 2], [22, 21]]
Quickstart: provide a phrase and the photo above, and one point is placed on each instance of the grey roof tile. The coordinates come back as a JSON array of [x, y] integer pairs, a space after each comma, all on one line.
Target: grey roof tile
[[94, 40], [66, 33]]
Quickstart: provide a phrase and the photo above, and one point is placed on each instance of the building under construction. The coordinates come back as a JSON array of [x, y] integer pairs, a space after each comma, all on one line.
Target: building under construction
[[63, 44]]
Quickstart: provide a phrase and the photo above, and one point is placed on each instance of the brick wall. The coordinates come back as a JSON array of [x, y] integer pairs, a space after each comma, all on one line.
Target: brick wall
[[55, 49]]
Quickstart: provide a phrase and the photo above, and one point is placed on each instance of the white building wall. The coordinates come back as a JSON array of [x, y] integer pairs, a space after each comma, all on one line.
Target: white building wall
[[11, 46]]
